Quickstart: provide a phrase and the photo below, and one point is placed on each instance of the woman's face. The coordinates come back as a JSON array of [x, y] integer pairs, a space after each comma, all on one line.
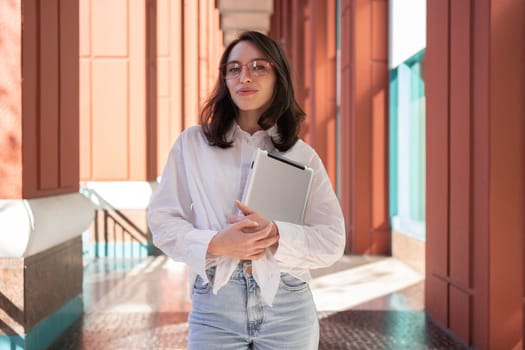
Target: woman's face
[[249, 91]]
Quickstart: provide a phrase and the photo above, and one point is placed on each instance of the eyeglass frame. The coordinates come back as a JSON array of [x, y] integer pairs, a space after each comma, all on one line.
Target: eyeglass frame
[[222, 68]]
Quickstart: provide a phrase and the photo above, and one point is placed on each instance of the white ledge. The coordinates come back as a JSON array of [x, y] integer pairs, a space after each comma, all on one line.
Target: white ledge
[[30, 226]]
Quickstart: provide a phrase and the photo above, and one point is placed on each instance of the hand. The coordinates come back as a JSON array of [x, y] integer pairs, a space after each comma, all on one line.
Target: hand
[[234, 242], [249, 214], [256, 217]]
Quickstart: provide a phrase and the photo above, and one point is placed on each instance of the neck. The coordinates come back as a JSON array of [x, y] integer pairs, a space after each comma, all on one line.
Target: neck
[[248, 121]]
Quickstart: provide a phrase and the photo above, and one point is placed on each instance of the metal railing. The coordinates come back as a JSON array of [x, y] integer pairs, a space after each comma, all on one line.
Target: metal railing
[[114, 233]]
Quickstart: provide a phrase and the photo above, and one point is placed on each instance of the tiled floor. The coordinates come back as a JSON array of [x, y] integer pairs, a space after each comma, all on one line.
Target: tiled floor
[[363, 303]]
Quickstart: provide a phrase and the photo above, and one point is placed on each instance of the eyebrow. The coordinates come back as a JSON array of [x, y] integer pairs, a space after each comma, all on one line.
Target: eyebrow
[[253, 59]]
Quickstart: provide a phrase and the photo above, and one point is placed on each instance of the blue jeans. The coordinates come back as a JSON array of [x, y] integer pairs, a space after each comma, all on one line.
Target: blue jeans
[[237, 318]]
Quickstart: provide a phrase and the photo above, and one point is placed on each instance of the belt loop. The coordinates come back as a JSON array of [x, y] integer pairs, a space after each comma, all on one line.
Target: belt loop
[[247, 268]]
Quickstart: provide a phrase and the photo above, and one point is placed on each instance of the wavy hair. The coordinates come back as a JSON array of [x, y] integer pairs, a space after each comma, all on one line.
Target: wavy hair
[[219, 111]]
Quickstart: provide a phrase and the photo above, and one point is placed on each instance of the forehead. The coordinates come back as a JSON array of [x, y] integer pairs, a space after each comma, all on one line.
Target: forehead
[[244, 51]]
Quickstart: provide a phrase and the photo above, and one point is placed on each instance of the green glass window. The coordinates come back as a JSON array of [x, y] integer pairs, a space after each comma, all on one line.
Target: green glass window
[[407, 147]]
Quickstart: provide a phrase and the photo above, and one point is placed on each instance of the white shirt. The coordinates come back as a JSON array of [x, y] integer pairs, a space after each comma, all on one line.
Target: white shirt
[[197, 194]]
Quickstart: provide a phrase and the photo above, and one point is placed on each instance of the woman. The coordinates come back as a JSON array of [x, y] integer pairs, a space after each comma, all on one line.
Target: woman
[[249, 275]]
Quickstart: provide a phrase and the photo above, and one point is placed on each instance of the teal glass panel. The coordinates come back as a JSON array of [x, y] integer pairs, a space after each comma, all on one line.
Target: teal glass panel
[[392, 142], [417, 158], [407, 147]]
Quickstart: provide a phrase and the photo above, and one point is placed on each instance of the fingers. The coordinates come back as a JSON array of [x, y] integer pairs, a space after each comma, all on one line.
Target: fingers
[[260, 239], [245, 224], [236, 241], [258, 234], [260, 247], [235, 219], [254, 254], [245, 238], [243, 208], [267, 242], [249, 214]]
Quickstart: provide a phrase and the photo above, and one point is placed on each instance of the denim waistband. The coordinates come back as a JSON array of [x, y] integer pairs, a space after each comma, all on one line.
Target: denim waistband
[[242, 271]]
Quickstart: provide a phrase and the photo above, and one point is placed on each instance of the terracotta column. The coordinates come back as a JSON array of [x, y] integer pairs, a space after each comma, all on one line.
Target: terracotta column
[[42, 215], [364, 106], [306, 30], [475, 169]]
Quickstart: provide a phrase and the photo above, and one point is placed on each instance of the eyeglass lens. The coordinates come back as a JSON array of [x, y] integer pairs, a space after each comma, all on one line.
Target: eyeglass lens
[[255, 67]]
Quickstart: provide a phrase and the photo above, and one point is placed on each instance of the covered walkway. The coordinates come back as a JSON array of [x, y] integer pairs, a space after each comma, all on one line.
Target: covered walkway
[[364, 302]]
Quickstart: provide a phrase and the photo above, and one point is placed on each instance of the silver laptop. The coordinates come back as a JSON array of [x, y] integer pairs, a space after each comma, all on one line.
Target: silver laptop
[[277, 187]]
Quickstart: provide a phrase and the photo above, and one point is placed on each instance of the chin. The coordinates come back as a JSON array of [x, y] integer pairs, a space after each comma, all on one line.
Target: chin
[[248, 107]]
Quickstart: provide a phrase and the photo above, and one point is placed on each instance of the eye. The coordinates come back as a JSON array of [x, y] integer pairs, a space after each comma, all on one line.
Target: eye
[[233, 68], [259, 66]]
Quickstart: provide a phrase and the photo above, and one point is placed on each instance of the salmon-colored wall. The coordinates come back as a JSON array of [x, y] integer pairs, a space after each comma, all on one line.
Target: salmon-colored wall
[[364, 138], [507, 170], [321, 105], [475, 170], [113, 90], [346, 78], [297, 25], [189, 46], [306, 30], [169, 75], [11, 100], [49, 97], [202, 47], [146, 68]]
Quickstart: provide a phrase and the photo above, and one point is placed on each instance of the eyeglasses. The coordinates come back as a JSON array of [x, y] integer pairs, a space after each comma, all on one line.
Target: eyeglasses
[[257, 68]]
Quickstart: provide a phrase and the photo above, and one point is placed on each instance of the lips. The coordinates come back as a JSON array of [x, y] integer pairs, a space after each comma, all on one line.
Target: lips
[[246, 92]]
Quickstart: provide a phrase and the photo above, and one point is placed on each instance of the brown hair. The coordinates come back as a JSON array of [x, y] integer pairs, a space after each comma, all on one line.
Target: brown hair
[[219, 111]]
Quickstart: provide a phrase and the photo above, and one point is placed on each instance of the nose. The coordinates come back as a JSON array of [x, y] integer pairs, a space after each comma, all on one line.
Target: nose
[[245, 75]]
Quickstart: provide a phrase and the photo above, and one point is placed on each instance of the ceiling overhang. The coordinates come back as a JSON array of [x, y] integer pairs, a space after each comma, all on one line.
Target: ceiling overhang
[[241, 15]]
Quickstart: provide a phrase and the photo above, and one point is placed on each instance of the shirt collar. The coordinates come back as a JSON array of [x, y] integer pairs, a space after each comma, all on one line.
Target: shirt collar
[[236, 132]]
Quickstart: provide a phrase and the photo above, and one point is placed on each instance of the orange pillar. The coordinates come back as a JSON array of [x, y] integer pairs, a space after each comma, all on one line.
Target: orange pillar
[[11, 101], [306, 30], [364, 106], [42, 214], [49, 98], [322, 88], [113, 90], [189, 45], [475, 169], [169, 74]]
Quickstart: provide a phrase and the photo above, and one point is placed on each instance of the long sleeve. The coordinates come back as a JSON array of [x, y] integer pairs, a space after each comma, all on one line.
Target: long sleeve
[[171, 216], [197, 193], [320, 241]]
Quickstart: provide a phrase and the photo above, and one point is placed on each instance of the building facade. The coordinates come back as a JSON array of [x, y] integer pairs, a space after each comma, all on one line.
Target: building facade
[[426, 149]]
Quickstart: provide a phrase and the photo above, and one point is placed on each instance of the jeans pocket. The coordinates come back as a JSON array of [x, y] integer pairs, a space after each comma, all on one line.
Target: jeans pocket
[[292, 283], [201, 287]]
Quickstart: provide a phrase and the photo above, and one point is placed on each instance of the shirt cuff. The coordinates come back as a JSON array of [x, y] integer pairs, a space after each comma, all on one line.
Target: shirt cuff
[[288, 239], [197, 242]]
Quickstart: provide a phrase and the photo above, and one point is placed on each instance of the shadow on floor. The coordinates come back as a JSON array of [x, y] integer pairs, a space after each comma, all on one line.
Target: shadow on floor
[[382, 329], [145, 304]]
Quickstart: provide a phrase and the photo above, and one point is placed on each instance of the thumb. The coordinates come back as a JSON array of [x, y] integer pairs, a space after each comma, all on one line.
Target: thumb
[[246, 210]]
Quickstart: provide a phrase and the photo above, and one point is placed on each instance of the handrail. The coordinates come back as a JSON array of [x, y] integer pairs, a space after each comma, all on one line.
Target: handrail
[[119, 223]]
